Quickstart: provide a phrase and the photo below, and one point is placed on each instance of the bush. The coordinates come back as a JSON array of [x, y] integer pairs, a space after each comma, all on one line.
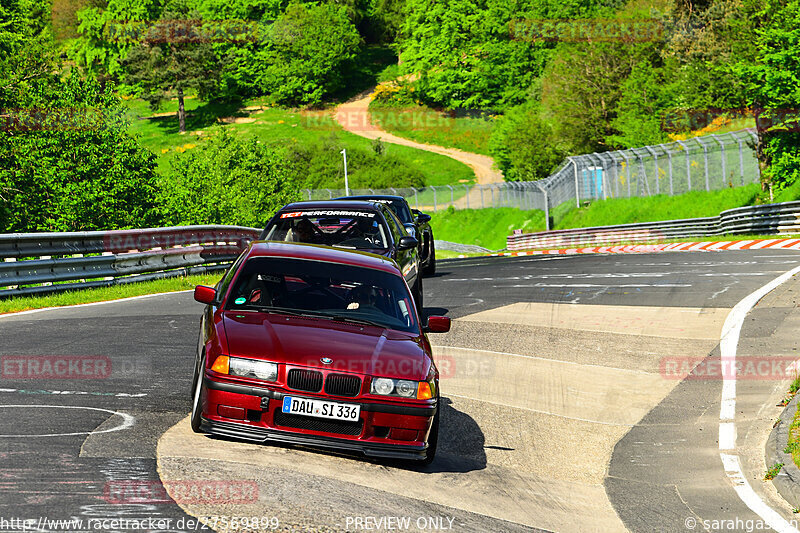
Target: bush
[[524, 146], [319, 165], [228, 180]]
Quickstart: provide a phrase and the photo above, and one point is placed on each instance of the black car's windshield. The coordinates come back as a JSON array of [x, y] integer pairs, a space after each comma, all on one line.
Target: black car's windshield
[[326, 290], [359, 230], [398, 207]]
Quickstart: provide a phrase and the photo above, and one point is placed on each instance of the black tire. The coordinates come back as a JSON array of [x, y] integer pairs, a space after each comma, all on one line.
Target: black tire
[[197, 393], [417, 294], [430, 267], [433, 441]]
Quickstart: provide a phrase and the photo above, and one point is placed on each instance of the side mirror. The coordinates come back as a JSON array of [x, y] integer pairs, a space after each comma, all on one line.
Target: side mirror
[[205, 295], [423, 218], [438, 324], [407, 243]]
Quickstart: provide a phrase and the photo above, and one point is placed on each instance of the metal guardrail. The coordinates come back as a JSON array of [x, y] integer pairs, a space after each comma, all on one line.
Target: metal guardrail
[[783, 218], [37, 263]]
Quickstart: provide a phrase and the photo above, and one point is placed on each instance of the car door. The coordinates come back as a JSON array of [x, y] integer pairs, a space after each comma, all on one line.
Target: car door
[[407, 259]]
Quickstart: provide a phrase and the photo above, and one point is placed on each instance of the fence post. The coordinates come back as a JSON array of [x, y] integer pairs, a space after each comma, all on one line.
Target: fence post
[[466, 188], [669, 163], [491, 190], [577, 188], [309, 193], [741, 161], [434, 198], [688, 166], [330, 193], [627, 170], [705, 161], [416, 199], [546, 207], [452, 195], [754, 135], [481, 189], [655, 162], [722, 155]]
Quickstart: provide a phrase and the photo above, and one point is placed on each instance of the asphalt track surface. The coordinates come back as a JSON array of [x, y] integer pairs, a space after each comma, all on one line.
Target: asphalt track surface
[[558, 417]]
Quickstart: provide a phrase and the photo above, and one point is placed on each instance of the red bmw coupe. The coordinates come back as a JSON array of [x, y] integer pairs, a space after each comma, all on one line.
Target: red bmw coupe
[[311, 345]]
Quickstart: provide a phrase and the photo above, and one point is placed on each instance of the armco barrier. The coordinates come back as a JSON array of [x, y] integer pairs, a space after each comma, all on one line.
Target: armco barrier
[[767, 219], [36, 263]]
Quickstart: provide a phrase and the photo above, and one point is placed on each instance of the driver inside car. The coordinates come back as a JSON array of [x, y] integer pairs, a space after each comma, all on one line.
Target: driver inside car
[[364, 298]]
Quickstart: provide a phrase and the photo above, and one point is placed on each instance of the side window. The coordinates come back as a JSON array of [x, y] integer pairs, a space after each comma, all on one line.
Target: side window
[[394, 224], [224, 283]]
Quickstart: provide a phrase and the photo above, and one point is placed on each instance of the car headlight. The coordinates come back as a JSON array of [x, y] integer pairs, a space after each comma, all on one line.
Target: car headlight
[[421, 390], [246, 368]]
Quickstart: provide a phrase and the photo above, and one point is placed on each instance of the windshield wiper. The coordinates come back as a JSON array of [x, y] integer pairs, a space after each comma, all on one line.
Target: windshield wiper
[[354, 320]]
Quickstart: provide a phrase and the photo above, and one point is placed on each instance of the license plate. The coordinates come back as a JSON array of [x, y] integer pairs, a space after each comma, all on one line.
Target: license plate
[[321, 408]]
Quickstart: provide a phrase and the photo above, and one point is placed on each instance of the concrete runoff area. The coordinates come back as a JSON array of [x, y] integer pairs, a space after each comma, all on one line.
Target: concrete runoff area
[[527, 435]]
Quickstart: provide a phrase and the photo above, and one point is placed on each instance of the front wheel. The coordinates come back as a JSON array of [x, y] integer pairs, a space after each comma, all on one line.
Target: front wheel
[[197, 410], [430, 268], [417, 294]]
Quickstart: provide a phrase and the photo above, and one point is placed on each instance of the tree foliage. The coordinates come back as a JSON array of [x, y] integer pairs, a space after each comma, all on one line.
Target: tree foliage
[[228, 180], [68, 163]]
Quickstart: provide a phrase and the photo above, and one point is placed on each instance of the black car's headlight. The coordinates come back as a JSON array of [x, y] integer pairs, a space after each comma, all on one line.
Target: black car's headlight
[[403, 388], [246, 368]]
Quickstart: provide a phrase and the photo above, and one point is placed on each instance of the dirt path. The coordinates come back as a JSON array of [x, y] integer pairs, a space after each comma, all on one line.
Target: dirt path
[[353, 116]]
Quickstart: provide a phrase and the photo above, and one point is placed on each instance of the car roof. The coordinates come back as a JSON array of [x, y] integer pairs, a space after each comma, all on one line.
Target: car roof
[[333, 204], [317, 252], [368, 196]]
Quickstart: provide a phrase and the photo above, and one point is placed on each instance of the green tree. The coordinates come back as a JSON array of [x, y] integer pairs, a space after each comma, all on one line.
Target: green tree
[[307, 46], [67, 162], [772, 84], [524, 146], [228, 180], [172, 59]]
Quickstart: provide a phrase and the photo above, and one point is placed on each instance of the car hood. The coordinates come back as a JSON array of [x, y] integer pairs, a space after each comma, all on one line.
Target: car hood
[[305, 341]]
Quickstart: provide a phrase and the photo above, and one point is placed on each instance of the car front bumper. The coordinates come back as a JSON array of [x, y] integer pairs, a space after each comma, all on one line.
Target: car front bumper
[[258, 424]]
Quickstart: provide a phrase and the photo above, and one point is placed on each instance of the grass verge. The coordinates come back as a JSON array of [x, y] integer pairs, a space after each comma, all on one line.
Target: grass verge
[[116, 292], [274, 126], [429, 126]]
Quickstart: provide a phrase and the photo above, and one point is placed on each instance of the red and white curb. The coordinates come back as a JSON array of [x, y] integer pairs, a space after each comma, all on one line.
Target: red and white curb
[[703, 246]]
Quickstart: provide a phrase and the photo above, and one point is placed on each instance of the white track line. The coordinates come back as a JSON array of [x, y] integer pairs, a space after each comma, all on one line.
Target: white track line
[[118, 300], [729, 341]]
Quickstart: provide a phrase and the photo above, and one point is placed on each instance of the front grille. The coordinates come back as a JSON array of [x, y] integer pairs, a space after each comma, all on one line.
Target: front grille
[[342, 385], [307, 380], [317, 424]]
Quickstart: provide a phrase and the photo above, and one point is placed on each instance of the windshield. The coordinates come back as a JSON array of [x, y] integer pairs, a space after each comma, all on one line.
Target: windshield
[[398, 207], [329, 290], [359, 230]]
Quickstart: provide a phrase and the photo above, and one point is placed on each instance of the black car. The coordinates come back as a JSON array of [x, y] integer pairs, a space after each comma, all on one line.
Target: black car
[[416, 224], [356, 225]]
